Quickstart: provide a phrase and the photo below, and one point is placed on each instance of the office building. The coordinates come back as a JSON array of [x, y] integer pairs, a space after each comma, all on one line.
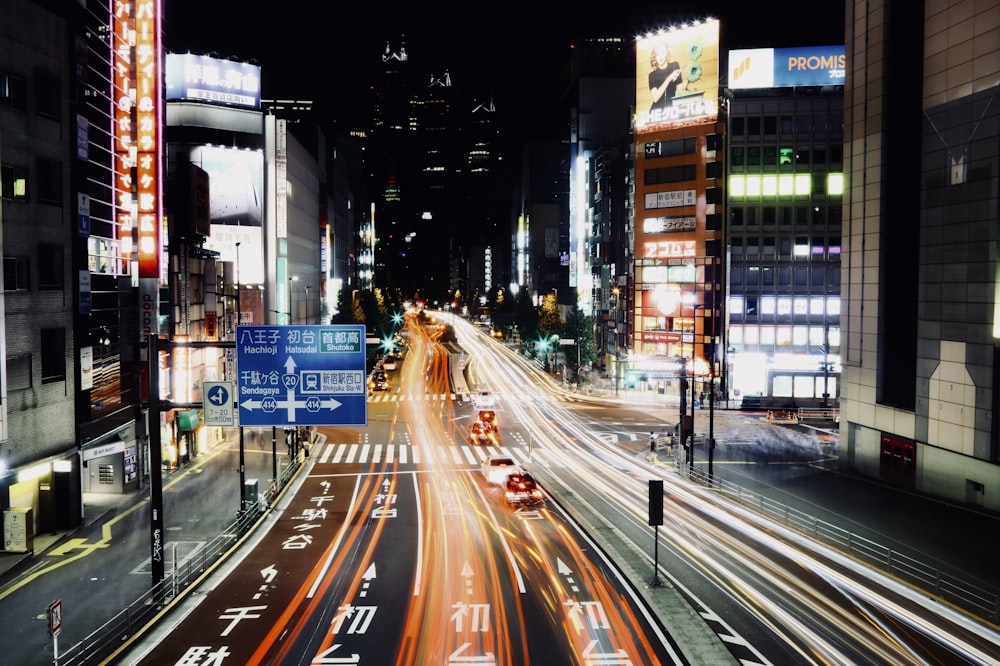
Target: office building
[[919, 344]]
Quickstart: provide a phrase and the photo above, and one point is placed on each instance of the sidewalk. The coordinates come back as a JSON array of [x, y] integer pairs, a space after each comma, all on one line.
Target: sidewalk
[[96, 508]]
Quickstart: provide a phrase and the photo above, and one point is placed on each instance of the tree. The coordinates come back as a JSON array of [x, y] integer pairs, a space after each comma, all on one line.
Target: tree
[[581, 328], [549, 318]]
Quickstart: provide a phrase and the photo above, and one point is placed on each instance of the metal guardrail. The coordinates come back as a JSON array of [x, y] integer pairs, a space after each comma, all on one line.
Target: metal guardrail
[[952, 586], [138, 615]]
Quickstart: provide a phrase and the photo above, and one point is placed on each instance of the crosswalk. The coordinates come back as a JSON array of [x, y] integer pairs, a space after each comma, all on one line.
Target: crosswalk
[[458, 456], [411, 397]]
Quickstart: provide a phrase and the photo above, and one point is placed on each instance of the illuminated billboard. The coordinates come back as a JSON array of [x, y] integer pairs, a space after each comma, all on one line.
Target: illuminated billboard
[[677, 78], [206, 79], [236, 206], [787, 68]]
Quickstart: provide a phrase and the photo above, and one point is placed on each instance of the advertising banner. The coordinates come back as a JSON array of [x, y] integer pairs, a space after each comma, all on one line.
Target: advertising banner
[[677, 78], [787, 68]]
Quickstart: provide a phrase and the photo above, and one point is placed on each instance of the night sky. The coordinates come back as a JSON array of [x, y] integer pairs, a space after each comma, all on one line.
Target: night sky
[[511, 51]]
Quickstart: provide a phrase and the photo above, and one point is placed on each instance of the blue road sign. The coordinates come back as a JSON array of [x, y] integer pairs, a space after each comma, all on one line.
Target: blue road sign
[[301, 375], [217, 403]]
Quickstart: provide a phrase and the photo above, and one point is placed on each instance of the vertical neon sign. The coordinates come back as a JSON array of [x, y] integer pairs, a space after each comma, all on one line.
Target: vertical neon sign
[[147, 124], [121, 23]]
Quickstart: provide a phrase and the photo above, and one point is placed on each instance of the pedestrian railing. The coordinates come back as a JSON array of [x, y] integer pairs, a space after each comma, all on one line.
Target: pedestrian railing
[[138, 615], [958, 588]]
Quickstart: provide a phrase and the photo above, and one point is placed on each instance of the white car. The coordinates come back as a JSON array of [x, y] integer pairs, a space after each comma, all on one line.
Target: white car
[[496, 469], [484, 400]]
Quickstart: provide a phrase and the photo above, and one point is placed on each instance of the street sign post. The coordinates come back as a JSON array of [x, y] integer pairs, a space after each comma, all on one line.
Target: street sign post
[[217, 404], [301, 375]]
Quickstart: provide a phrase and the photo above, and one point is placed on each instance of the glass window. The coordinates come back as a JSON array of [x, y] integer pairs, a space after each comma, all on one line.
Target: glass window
[[801, 276], [786, 155], [781, 386], [48, 95], [767, 336], [737, 127], [736, 216], [783, 338], [784, 276], [767, 276], [819, 125], [816, 304], [768, 246], [800, 336], [13, 93], [787, 125], [753, 156], [753, 276], [769, 215], [15, 273], [770, 125], [739, 157], [736, 248], [804, 385], [770, 155], [803, 124], [767, 305], [53, 355], [13, 182], [50, 266], [818, 277], [802, 159], [753, 247], [751, 303], [819, 158], [736, 305], [751, 336], [753, 126], [49, 181]]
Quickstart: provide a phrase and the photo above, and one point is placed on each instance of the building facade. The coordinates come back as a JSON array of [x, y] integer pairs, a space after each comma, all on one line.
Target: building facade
[[784, 193], [920, 359]]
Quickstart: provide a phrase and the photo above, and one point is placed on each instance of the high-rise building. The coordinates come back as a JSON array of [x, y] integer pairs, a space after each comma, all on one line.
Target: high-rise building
[[919, 402], [433, 155]]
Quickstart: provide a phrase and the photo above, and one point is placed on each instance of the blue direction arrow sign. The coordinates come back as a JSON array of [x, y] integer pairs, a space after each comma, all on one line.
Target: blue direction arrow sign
[[217, 403], [301, 375]]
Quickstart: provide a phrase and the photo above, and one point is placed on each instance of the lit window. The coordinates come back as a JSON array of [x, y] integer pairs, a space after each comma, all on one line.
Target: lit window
[[767, 305], [769, 185], [803, 184], [753, 186], [835, 184], [737, 186], [786, 185]]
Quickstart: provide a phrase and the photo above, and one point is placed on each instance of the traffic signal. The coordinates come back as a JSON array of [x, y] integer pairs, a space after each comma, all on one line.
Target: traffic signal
[[655, 501]]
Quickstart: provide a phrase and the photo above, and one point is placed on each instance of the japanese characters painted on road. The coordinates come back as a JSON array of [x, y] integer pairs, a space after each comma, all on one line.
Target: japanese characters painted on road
[[301, 375]]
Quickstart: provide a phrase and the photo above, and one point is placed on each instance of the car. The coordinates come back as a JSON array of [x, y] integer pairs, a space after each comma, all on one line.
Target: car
[[484, 400], [389, 363], [495, 469], [520, 490], [379, 381], [489, 419], [480, 435]]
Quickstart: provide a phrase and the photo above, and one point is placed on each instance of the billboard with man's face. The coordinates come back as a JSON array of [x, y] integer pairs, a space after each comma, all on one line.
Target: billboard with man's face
[[677, 78]]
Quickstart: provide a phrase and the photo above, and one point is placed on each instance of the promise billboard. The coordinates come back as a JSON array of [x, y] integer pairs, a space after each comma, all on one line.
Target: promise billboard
[[677, 78]]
